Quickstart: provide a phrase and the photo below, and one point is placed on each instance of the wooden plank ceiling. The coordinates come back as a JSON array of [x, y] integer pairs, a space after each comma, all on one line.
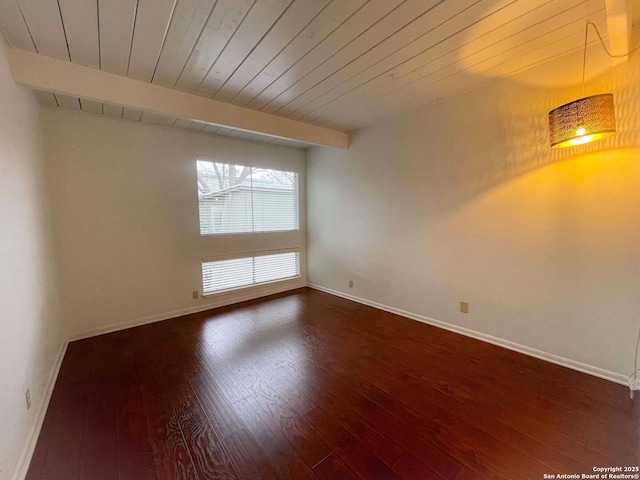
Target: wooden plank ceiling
[[336, 63]]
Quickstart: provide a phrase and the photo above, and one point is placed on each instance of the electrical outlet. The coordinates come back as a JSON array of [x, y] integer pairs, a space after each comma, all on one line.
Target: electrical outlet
[[27, 398], [464, 307], [195, 295], [350, 283]]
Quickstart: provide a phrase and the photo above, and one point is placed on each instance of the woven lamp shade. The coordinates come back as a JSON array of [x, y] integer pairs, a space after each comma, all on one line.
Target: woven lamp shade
[[582, 121]]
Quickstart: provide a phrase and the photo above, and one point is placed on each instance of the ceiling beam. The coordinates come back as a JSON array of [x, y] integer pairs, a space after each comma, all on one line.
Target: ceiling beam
[[57, 76], [619, 26]]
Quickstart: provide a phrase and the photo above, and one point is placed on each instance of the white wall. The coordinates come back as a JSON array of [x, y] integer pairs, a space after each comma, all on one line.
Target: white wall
[[465, 201], [126, 218], [30, 337]]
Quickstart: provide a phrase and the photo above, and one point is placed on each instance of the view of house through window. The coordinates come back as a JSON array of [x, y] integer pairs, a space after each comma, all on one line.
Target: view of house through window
[[241, 199]]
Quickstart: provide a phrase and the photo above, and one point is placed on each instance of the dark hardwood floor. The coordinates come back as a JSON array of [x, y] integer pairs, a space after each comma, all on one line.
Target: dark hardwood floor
[[308, 385]]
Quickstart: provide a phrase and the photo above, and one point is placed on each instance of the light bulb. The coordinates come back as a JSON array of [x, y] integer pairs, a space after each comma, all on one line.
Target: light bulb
[[580, 131], [582, 140]]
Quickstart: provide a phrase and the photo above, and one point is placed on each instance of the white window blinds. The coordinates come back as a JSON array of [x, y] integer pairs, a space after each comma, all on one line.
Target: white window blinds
[[229, 274], [240, 199]]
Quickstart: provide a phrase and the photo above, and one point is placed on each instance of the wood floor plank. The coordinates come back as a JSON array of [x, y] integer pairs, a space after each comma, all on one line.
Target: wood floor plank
[[275, 410], [69, 413], [216, 406], [308, 385], [295, 393], [410, 467], [286, 461], [171, 454], [135, 454], [333, 468], [41, 451], [466, 474], [381, 445], [218, 371], [206, 451], [472, 446], [577, 427], [439, 425], [484, 416], [100, 451], [361, 460], [423, 448], [247, 456]]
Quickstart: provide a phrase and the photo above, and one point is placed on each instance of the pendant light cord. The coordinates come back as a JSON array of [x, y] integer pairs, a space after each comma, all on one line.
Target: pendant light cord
[[584, 55], [604, 46]]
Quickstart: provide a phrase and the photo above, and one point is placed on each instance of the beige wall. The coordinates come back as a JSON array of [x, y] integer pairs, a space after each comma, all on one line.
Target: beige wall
[[30, 337], [465, 201], [125, 205]]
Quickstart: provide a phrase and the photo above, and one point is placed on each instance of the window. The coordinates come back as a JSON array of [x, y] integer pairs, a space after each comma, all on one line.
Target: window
[[232, 273], [240, 199]]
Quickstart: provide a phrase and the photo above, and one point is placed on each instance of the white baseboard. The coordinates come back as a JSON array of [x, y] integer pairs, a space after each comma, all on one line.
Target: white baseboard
[[211, 303], [34, 433], [549, 357]]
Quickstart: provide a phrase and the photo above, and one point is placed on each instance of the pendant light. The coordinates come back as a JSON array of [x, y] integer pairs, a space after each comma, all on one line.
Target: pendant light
[[586, 119], [582, 121]]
